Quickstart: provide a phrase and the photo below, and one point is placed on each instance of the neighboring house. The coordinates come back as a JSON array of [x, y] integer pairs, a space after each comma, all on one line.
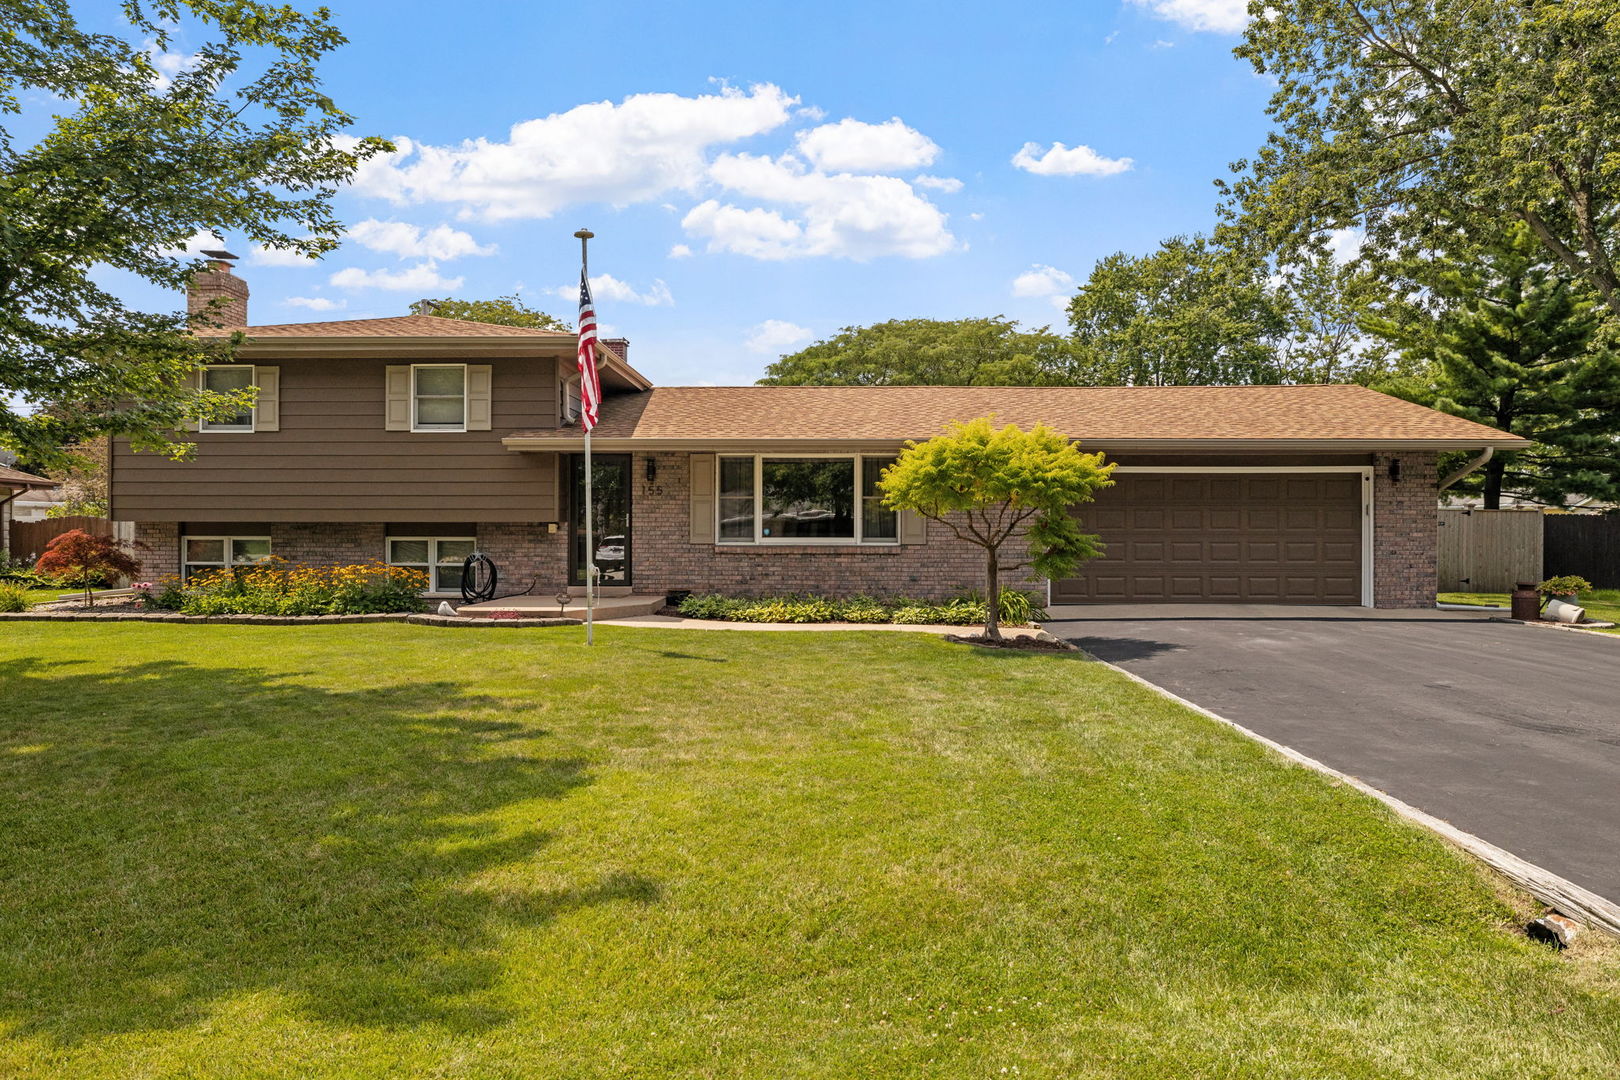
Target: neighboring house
[[14, 486], [35, 505], [418, 439]]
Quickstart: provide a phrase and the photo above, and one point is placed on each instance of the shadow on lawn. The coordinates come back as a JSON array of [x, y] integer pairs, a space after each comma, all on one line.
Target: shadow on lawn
[[178, 835]]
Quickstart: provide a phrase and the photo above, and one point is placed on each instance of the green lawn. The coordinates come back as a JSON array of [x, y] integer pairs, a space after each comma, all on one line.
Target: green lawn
[[368, 851], [1601, 604]]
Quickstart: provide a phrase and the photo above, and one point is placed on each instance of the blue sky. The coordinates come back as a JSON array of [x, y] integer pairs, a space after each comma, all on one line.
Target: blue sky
[[761, 174]]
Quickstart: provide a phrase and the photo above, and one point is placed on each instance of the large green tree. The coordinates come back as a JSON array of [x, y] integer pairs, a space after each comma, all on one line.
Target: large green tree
[[132, 149], [1412, 119], [990, 351], [1509, 338], [1194, 313], [504, 310]]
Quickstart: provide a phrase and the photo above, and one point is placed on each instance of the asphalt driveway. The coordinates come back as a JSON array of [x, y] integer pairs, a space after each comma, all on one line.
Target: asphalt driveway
[[1509, 732]]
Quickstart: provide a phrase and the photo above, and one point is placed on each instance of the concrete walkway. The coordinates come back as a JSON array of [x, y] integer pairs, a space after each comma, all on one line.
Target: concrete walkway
[[677, 622]]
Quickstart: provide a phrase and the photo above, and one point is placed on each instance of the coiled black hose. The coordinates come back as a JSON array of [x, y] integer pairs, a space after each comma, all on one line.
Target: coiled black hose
[[478, 578]]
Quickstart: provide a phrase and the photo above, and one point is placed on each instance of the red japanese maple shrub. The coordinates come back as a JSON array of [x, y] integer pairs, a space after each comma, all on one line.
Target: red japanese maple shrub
[[82, 560]]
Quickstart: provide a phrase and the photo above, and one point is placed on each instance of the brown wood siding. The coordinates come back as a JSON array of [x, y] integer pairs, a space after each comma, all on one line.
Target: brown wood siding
[[332, 459], [1268, 538]]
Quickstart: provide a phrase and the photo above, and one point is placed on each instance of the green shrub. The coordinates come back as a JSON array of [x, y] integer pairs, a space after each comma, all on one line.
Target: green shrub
[[14, 597], [1017, 608], [1564, 585]]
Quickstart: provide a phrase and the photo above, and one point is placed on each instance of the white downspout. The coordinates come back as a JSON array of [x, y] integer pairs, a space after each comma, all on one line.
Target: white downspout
[[1473, 465]]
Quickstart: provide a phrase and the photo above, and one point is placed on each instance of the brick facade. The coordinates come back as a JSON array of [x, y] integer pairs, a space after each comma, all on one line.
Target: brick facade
[[664, 558], [1406, 531]]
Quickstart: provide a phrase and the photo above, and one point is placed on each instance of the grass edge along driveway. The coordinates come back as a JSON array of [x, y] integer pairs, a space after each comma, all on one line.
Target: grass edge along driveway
[[391, 850]]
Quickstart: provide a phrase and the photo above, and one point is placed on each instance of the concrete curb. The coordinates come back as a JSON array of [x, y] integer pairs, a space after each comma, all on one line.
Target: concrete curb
[[1559, 893], [1557, 626]]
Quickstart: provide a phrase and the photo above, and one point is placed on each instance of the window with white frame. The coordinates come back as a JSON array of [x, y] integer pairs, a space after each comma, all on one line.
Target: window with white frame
[[219, 552], [439, 397], [441, 557], [803, 499], [568, 403], [225, 379]]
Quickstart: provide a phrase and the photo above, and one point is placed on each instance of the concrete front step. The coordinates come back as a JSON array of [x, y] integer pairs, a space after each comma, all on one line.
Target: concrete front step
[[607, 607]]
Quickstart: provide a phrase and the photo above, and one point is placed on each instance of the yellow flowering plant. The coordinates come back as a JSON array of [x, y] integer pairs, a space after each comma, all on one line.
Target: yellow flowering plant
[[274, 586]]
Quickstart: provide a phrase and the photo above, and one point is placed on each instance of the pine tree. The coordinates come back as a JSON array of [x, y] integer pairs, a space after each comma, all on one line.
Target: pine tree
[[1513, 342]]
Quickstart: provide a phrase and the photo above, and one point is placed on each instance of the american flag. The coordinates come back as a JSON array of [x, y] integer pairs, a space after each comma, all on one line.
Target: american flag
[[590, 388]]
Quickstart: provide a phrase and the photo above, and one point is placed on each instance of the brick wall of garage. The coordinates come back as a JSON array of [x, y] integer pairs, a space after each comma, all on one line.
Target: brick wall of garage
[[665, 558], [1406, 531]]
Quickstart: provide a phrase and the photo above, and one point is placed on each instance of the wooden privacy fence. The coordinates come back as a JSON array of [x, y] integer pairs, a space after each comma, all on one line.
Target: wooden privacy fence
[[1489, 550], [28, 538], [1584, 544]]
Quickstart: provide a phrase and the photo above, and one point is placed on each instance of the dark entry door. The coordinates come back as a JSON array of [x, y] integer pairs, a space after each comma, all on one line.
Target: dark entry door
[[610, 518]]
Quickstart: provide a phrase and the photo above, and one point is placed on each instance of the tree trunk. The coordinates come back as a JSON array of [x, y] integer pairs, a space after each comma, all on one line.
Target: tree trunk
[[992, 596], [1493, 483]]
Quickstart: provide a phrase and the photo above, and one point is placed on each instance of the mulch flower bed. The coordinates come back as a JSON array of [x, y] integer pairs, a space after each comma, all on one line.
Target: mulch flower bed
[[1041, 642]]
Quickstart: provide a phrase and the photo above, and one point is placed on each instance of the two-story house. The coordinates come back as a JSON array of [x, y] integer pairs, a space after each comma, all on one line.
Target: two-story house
[[419, 439]]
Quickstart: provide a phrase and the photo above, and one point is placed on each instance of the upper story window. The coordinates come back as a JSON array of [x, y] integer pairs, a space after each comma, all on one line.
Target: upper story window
[[439, 397], [224, 379], [804, 499]]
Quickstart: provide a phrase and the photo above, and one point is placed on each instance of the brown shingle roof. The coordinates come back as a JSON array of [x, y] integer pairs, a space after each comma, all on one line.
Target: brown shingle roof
[[16, 478], [1344, 416], [397, 326]]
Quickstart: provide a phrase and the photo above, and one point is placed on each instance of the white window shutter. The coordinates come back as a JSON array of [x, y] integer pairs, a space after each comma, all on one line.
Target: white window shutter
[[702, 497], [913, 527], [397, 399], [479, 393], [267, 407]]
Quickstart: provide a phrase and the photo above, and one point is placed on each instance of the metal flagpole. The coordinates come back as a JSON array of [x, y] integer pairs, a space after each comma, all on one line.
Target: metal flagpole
[[590, 540]]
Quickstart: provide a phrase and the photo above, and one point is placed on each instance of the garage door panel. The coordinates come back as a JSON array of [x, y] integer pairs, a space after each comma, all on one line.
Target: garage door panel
[[1293, 538]]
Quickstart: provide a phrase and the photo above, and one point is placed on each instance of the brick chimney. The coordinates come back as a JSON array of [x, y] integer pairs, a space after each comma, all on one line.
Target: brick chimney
[[215, 282], [619, 345]]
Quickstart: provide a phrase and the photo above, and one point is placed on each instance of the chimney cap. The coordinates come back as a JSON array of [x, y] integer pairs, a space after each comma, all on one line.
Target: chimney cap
[[217, 254]]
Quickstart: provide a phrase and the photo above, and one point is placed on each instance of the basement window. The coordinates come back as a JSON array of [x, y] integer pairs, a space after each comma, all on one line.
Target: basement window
[[219, 552], [440, 557]]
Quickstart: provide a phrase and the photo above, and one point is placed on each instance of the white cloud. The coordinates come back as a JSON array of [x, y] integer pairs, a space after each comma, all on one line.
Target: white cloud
[[422, 278], [193, 245], [1216, 16], [775, 336], [414, 242], [855, 146], [1345, 244], [1045, 283], [680, 251], [316, 303], [259, 255], [857, 217], [167, 65], [600, 152], [609, 287], [1060, 160], [950, 185], [1161, 43]]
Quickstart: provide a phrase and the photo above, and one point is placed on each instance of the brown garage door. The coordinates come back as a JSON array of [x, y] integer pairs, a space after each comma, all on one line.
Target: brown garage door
[[1266, 538]]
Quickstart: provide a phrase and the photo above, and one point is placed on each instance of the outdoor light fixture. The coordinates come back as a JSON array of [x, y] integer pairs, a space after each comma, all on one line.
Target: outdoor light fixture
[[652, 470], [1395, 470]]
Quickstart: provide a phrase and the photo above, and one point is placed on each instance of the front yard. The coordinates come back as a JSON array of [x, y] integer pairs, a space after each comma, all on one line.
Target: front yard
[[357, 851]]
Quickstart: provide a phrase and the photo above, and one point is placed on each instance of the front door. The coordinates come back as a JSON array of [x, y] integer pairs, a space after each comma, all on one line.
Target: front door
[[610, 518]]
